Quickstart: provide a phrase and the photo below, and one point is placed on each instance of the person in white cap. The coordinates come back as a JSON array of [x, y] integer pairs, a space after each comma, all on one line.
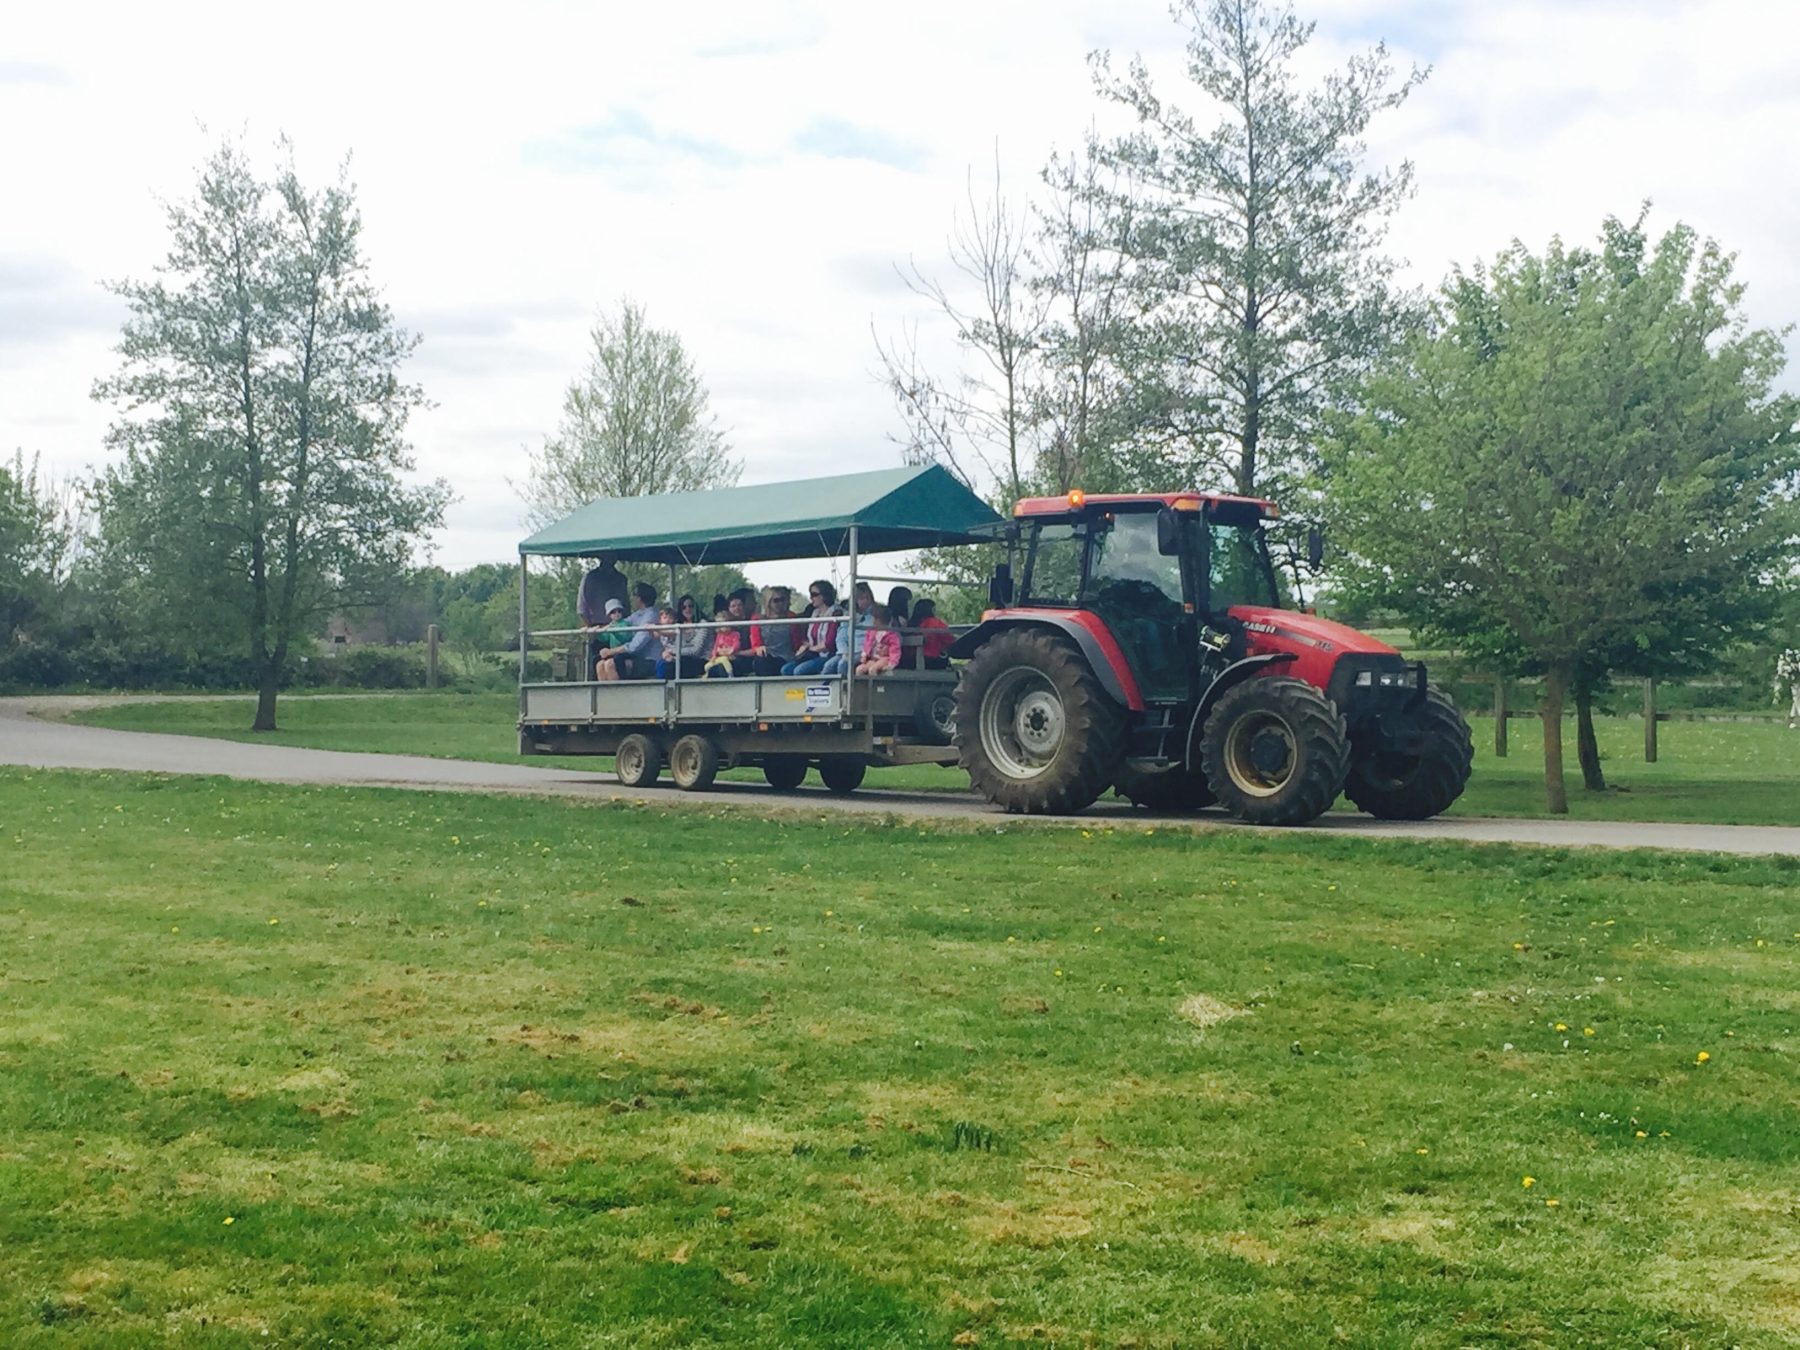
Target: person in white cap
[[612, 641]]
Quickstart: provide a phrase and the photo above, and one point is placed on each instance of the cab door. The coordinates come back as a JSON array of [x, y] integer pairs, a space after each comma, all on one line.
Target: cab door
[[1137, 591]]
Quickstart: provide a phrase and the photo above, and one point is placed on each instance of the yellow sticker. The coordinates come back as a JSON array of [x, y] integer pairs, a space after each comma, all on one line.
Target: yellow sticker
[[794, 695]]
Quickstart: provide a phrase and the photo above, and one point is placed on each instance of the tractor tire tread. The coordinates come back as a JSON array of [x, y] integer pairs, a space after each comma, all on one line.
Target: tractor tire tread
[[1440, 777], [1324, 759]]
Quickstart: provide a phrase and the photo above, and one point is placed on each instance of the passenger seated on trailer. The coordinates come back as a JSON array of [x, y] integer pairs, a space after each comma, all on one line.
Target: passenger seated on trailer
[[935, 637], [880, 645], [638, 661], [668, 654], [600, 581], [899, 603], [839, 662], [694, 644], [773, 636], [612, 641], [820, 637], [723, 654]]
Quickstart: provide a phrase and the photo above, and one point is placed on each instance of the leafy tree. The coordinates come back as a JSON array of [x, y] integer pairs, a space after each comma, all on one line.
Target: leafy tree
[[635, 422], [1254, 242], [261, 420], [1582, 466]]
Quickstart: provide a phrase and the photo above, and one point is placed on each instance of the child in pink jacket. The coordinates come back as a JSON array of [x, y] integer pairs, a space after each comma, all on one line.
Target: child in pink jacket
[[880, 645]]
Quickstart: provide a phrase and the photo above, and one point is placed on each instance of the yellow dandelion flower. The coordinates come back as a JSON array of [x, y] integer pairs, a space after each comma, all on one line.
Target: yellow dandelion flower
[[1702, 1057], [1562, 1026], [1527, 1182], [828, 913], [1518, 946], [1587, 1031], [273, 922], [1552, 1203], [1421, 1151], [1059, 974], [1643, 1134], [456, 839], [229, 1220]]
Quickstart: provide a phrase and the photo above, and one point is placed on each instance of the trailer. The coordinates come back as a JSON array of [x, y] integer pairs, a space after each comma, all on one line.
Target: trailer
[[841, 724]]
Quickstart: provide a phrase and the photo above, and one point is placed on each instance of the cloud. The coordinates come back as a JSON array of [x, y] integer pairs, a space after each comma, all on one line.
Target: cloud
[[627, 139], [834, 138], [32, 72], [45, 299]]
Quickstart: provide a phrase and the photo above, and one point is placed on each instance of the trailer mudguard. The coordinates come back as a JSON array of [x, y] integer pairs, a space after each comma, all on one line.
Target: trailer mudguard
[[1090, 636], [1234, 674]]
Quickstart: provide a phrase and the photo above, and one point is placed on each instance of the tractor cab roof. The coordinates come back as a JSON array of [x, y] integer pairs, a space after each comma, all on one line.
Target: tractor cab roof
[[1211, 503]]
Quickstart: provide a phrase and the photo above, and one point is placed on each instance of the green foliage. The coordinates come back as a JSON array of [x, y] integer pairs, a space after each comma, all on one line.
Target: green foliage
[[447, 1088], [261, 423], [1583, 466], [634, 423]]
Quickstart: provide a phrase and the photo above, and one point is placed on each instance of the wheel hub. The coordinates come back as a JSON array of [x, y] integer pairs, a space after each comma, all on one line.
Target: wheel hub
[[1269, 751], [1022, 722]]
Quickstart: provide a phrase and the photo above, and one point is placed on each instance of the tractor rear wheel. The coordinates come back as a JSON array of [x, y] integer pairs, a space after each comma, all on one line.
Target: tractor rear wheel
[[694, 763], [843, 774], [1170, 788], [638, 760], [1417, 787], [1275, 751], [1034, 729], [784, 772]]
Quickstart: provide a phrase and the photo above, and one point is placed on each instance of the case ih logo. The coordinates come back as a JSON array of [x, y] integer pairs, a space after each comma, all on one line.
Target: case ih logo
[[1256, 626]]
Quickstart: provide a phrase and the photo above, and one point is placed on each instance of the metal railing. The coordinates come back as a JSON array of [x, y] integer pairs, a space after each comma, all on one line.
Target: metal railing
[[656, 651]]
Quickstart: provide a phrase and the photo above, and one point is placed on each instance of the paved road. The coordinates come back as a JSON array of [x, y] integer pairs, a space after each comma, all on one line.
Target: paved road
[[31, 735]]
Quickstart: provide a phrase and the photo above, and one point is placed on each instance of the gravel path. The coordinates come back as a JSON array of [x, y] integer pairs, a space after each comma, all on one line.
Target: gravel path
[[30, 734]]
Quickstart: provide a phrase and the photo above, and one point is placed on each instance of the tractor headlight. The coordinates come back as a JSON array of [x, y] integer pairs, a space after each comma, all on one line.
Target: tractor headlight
[[1364, 678]]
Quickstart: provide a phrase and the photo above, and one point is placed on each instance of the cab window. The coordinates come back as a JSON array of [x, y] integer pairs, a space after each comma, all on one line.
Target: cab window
[[1053, 570]]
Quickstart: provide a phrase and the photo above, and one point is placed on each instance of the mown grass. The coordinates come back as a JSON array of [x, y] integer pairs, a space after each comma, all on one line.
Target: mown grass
[[359, 1066], [1744, 773]]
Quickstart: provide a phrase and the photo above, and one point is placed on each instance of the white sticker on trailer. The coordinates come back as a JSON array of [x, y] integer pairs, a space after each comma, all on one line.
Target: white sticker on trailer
[[817, 696]]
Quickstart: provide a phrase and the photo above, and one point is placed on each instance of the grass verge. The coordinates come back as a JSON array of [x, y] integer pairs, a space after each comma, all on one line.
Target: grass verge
[[381, 1067]]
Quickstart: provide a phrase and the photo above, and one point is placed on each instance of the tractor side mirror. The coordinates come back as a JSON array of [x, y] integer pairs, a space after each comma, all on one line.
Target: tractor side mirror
[[1000, 587], [1315, 546], [1168, 533]]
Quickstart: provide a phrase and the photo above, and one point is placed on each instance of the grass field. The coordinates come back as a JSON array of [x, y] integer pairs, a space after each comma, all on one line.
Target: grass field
[[1745, 773], [355, 1067]]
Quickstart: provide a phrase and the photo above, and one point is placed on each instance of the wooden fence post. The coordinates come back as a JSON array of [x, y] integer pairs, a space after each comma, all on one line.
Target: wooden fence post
[[431, 657], [1650, 721], [1500, 718]]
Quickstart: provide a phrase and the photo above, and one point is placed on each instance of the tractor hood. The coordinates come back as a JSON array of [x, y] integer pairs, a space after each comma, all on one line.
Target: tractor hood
[[1288, 630]]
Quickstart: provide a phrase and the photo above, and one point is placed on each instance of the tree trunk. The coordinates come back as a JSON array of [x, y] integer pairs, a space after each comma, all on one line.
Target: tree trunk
[[1587, 748], [265, 698], [1556, 688]]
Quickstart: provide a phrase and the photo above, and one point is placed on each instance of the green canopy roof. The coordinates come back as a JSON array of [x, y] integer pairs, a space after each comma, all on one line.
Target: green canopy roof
[[893, 509]]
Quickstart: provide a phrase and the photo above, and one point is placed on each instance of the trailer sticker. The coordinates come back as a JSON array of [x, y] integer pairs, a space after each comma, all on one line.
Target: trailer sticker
[[817, 696], [793, 695]]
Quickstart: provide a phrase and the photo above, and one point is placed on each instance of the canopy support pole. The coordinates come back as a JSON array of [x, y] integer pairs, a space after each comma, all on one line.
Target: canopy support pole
[[850, 657], [524, 623]]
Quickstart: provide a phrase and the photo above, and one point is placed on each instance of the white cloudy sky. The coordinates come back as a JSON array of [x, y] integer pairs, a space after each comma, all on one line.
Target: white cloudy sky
[[751, 172]]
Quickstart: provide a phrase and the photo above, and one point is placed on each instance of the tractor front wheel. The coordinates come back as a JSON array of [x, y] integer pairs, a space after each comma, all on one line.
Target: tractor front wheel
[[1034, 729], [1417, 786], [1275, 751]]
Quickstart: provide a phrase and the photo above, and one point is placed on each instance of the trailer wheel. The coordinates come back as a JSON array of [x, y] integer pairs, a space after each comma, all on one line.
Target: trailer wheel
[[1275, 751], [1417, 787], [694, 763], [638, 761], [935, 721], [785, 772], [843, 774]]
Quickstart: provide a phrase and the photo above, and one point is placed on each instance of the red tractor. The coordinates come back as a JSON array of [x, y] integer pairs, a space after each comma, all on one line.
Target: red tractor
[[1147, 651]]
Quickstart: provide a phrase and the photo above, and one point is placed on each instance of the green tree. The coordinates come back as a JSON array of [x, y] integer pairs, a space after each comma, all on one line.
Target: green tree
[[261, 420], [635, 422], [1582, 466], [1255, 245]]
